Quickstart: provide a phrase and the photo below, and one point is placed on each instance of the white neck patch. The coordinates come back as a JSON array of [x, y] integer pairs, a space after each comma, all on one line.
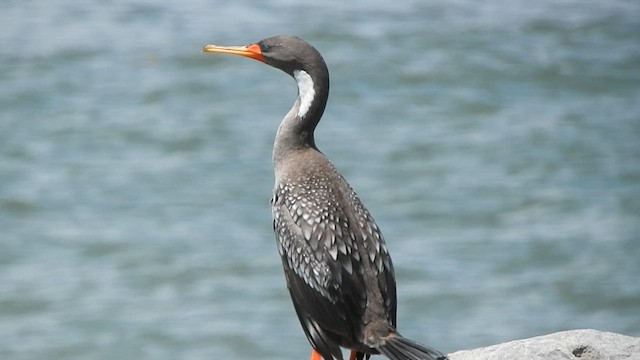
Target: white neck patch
[[305, 91]]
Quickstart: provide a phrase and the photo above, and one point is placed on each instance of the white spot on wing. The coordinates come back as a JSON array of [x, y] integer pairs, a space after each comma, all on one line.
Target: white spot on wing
[[305, 91]]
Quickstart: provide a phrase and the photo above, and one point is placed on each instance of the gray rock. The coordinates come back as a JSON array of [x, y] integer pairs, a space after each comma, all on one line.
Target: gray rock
[[573, 344]]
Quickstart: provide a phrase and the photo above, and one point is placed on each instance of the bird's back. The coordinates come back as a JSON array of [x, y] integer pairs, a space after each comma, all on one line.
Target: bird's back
[[336, 264]]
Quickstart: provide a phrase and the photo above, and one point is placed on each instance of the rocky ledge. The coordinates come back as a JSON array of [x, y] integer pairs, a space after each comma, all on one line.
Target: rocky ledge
[[572, 345]]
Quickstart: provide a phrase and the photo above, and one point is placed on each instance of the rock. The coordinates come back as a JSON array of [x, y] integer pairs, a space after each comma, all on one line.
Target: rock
[[573, 344]]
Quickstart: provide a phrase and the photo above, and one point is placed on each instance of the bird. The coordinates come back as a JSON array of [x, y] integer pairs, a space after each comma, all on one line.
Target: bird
[[336, 263]]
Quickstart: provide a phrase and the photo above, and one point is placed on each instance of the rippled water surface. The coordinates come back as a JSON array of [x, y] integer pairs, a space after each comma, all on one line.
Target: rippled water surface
[[496, 143]]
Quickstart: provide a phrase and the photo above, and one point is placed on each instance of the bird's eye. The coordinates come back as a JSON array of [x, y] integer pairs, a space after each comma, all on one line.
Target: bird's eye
[[268, 47]]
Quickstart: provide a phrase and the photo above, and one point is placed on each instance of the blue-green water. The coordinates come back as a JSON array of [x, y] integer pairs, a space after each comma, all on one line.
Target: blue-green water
[[496, 143]]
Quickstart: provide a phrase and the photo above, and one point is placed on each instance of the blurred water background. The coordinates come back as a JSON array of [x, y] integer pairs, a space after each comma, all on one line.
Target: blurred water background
[[497, 144]]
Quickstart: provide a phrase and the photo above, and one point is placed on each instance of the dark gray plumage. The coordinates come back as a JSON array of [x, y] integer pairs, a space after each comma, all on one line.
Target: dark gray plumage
[[337, 267]]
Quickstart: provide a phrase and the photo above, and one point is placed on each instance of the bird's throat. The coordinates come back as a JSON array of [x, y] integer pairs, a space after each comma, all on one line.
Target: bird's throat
[[306, 91]]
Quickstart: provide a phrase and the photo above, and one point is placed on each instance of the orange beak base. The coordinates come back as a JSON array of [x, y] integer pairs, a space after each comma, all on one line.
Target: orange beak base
[[251, 51]]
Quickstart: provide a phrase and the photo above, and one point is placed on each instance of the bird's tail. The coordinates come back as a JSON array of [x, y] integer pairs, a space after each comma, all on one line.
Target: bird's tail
[[397, 347]]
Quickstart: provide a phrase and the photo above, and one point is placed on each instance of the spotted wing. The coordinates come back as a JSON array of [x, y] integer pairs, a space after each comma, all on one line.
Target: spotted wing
[[320, 260], [321, 237]]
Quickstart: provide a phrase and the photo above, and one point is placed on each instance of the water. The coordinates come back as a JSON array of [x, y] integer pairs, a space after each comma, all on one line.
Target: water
[[496, 143]]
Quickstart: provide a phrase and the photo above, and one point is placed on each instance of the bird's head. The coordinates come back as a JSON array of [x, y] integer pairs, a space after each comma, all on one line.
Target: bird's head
[[285, 52], [297, 58]]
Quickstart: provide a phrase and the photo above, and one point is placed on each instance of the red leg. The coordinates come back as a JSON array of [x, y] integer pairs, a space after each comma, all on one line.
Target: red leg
[[315, 355], [353, 355]]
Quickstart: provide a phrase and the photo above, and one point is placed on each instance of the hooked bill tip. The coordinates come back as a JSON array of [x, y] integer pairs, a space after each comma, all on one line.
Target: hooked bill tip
[[208, 48]]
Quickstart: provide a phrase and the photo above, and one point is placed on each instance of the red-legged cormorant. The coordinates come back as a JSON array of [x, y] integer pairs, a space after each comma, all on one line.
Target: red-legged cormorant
[[336, 264]]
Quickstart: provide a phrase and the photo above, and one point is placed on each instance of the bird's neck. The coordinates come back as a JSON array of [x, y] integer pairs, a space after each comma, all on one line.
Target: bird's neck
[[296, 129]]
